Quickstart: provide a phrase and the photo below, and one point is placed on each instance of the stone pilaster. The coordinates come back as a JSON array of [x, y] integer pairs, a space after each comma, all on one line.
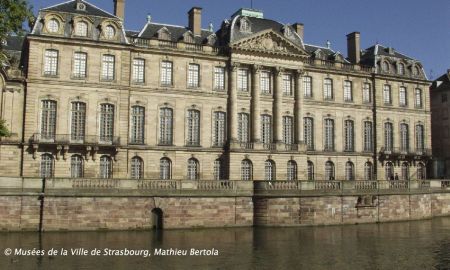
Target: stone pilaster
[[298, 110], [232, 102], [278, 106], [256, 105]]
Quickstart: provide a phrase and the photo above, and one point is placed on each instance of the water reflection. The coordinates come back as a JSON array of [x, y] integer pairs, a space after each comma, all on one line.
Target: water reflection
[[405, 245]]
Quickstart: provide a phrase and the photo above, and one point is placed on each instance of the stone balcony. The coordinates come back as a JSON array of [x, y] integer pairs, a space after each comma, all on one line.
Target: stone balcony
[[176, 46], [398, 153], [267, 147]]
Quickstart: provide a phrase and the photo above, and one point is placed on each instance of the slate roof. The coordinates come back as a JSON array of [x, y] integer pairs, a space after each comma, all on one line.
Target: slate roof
[[444, 83], [368, 55], [14, 43], [70, 7], [150, 30]]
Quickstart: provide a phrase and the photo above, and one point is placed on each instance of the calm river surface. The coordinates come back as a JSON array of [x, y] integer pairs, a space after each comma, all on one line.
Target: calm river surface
[[403, 245]]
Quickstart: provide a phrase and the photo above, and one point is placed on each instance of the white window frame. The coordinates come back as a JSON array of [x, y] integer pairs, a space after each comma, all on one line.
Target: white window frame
[[242, 80], [79, 65], [348, 91], [328, 89], [138, 70], [307, 87], [165, 126], [193, 76], [166, 73], [51, 62], [108, 67], [219, 78]]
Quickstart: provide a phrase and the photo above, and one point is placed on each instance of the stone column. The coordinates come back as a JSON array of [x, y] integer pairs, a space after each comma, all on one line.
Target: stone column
[[278, 106], [232, 103], [256, 105], [298, 110]]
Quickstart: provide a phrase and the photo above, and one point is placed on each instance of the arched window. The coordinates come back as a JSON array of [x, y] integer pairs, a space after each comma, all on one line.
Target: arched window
[[389, 170], [78, 121], [110, 32], [404, 138], [165, 169], [48, 119], [416, 71], [310, 171], [288, 130], [418, 98], [403, 96], [246, 170], [420, 143], [53, 26], [193, 128], [47, 166], [219, 128], [368, 171], [105, 167], [405, 171], [269, 170], [219, 169], [329, 171], [329, 135], [137, 168], [292, 170], [327, 89], [385, 66], [76, 166], [368, 136], [401, 69], [349, 171], [106, 122], [421, 173], [81, 29], [387, 94], [165, 126], [266, 129], [388, 137], [308, 123], [137, 124], [349, 128], [348, 91], [193, 169], [243, 127]]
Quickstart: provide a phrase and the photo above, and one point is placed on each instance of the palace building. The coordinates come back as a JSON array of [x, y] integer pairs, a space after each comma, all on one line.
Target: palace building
[[86, 98]]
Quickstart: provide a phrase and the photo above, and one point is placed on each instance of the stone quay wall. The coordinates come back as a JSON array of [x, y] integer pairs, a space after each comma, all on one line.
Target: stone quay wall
[[130, 205]]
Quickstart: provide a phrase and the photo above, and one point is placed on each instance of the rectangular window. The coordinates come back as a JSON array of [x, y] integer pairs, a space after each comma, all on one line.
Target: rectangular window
[[307, 87], [242, 80], [219, 78], [51, 63], [165, 126], [287, 85], [219, 129], [368, 136], [348, 91], [403, 98], [329, 135], [327, 89], [367, 93], [108, 66], [387, 94], [193, 76], [243, 127], [349, 136], [388, 137], [418, 99], [265, 82], [138, 70], [166, 73], [79, 65], [288, 130]]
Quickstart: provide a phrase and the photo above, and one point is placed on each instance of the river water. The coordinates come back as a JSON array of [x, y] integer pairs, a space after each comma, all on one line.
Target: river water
[[401, 245]]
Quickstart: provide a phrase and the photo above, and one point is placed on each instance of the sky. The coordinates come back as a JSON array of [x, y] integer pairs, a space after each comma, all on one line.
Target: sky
[[417, 28]]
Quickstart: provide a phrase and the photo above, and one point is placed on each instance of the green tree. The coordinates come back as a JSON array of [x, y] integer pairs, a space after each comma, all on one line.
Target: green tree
[[3, 130], [13, 14]]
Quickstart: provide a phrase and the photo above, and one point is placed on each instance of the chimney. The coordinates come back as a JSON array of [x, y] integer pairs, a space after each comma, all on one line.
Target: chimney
[[195, 20], [354, 47], [119, 8], [300, 29]]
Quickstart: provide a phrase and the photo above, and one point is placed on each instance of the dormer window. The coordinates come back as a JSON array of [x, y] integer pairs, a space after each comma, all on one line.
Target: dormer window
[[188, 37], [287, 31], [211, 40], [110, 32], [164, 34], [401, 69], [53, 26], [245, 25], [81, 29], [385, 66], [416, 71]]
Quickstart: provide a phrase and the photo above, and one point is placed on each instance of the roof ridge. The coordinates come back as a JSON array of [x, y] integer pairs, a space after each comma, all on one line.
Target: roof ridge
[[85, 2]]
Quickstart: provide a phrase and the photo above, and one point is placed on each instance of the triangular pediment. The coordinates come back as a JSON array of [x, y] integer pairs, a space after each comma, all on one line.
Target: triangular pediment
[[269, 42]]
